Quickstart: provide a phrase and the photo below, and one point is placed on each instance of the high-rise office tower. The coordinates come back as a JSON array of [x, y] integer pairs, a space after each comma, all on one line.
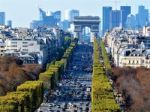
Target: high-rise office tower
[[9, 23], [125, 11], [65, 25], [57, 15], [142, 16], [46, 19], [35, 24], [42, 14], [131, 21], [70, 14], [49, 20], [2, 18], [106, 18], [115, 19]]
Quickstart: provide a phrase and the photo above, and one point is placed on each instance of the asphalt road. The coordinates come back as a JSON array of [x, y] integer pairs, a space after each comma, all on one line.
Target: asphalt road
[[73, 93]]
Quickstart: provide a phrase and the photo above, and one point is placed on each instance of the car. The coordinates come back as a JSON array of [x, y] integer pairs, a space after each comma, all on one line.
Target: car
[[58, 106], [39, 110], [50, 110], [51, 105]]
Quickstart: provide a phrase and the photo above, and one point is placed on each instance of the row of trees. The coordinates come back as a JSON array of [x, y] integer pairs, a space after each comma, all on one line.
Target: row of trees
[[102, 91], [52, 75], [105, 56], [26, 98], [29, 95]]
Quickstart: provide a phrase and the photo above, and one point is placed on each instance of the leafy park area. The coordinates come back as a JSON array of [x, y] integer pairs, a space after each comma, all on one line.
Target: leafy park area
[[102, 91]]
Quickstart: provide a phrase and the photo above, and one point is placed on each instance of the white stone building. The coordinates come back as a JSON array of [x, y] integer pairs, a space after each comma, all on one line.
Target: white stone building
[[22, 45], [2, 47], [128, 48]]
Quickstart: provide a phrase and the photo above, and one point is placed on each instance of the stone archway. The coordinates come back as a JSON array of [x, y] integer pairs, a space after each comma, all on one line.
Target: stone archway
[[91, 21]]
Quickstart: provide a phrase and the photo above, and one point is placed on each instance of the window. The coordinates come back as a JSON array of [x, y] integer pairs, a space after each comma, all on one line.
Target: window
[[14, 46], [24, 46], [24, 42], [13, 42], [25, 49]]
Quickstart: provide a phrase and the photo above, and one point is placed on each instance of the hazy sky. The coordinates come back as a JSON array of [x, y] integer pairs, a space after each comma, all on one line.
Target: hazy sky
[[22, 12]]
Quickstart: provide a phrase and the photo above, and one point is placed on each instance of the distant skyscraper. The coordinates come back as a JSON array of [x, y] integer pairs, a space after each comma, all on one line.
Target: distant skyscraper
[[115, 20], [70, 14], [42, 14], [131, 21], [46, 19], [125, 11], [2, 18], [49, 21], [57, 15], [9, 23], [35, 24], [142, 17], [65, 25], [106, 18]]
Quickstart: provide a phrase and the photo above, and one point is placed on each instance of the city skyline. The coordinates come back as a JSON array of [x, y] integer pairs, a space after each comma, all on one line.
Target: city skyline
[[74, 55], [16, 15]]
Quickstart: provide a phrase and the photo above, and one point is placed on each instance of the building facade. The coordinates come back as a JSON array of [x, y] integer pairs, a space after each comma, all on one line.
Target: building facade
[[46, 20], [106, 18], [128, 48], [2, 18], [2, 47], [31, 45], [131, 22], [115, 19], [142, 16], [9, 23], [125, 11], [70, 14], [22, 45]]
